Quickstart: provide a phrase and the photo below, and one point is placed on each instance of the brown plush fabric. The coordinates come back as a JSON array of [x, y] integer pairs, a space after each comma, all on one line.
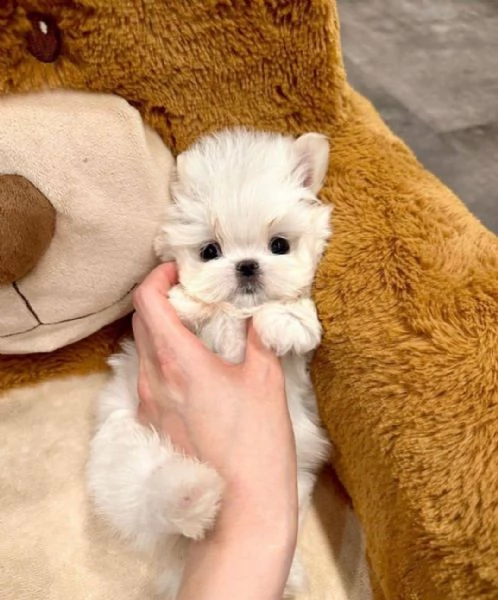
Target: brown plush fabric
[[188, 66], [407, 375], [27, 224], [87, 356]]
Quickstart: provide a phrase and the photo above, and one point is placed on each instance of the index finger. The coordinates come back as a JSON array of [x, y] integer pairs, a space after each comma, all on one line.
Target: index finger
[[155, 286], [158, 281], [158, 315], [257, 353], [151, 297]]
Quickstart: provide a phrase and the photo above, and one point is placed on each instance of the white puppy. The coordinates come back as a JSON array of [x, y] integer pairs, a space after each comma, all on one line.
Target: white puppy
[[247, 232]]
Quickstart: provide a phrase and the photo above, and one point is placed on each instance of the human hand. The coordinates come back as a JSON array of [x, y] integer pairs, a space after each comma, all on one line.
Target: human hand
[[234, 417]]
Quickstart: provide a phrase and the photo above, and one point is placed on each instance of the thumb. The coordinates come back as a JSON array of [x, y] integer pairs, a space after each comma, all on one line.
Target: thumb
[[256, 351]]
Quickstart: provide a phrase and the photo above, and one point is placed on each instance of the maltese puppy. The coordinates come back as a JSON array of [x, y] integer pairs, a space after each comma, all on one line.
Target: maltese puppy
[[247, 231]]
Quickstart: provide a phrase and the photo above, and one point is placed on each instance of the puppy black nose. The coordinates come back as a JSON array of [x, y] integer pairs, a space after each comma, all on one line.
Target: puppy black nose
[[247, 268]]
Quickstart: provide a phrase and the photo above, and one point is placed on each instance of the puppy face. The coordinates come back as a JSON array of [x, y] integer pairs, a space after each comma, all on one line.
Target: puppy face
[[245, 226]]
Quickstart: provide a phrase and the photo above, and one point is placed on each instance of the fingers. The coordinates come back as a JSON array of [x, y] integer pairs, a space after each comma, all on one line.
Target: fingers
[[256, 352], [147, 409], [151, 303], [157, 284], [162, 278], [149, 365], [159, 333], [142, 340], [263, 370]]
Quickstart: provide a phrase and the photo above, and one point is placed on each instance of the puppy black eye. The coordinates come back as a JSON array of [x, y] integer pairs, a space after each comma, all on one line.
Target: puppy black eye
[[210, 251], [279, 245]]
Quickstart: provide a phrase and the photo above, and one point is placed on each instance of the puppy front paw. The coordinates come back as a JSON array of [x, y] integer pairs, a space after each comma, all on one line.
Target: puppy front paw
[[288, 327]]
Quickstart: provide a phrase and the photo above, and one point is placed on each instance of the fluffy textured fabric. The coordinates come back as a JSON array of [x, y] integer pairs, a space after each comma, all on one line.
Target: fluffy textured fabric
[[87, 356], [408, 290], [102, 178], [407, 377], [52, 548], [189, 67]]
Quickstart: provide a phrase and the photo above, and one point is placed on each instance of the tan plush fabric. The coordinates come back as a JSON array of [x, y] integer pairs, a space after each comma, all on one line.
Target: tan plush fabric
[[408, 290], [53, 548], [105, 177]]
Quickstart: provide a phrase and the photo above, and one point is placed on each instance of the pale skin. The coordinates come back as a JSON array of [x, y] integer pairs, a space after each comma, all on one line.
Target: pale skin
[[234, 417]]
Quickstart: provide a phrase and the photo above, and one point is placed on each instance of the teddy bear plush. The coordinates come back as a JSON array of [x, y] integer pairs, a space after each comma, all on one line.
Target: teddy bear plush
[[407, 374], [57, 185]]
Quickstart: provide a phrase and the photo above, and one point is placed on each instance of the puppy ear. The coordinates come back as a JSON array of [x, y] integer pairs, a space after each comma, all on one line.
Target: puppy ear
[[180, 167], [312, 160], [161, 244], [162, 248]]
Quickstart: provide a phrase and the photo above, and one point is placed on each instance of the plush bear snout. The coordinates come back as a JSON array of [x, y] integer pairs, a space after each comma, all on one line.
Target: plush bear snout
[[27, 225]]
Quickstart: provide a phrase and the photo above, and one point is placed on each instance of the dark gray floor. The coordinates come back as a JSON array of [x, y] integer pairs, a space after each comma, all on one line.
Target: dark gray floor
[[431, 69]]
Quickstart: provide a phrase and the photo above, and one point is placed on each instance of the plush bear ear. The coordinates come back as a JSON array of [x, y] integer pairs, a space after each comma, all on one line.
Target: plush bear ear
[[312, 160]]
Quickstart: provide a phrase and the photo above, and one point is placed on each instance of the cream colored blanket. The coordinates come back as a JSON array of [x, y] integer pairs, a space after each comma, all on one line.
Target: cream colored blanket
[[52, 548]]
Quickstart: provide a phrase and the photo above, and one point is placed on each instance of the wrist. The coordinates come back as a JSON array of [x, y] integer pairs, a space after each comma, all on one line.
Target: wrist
[[250, 564], [245, 514]]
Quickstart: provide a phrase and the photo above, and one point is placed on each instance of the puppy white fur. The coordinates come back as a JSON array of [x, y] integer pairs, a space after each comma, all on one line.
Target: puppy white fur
[[247, 232]]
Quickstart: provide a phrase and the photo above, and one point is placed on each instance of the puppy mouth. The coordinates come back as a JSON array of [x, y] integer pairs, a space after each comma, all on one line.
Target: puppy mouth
[[249, 288]]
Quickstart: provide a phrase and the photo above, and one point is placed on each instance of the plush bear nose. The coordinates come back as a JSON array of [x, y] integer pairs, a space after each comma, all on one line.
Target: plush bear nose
[[27, 226], [247, 268]]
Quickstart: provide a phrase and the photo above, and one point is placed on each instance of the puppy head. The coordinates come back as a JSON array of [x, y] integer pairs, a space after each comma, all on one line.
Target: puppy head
[[245, 226]]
